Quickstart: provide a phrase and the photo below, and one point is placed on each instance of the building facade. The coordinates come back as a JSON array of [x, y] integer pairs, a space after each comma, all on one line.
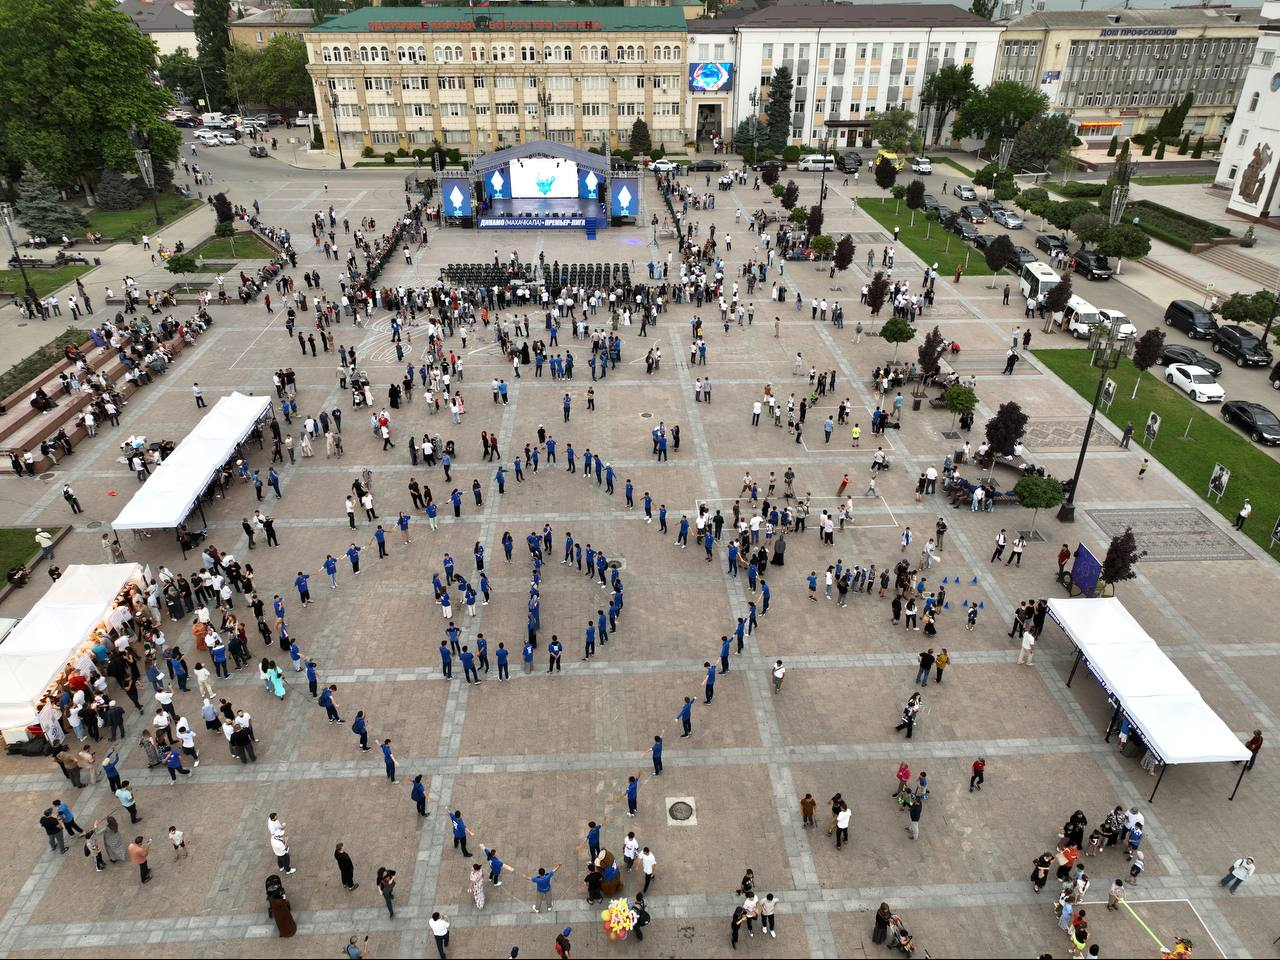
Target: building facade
[[476, 79], [713, 79], [256, 30], [1116, 72], [850, 61], [1251, 153]]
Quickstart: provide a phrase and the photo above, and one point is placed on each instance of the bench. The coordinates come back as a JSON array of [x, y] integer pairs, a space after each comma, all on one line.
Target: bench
[[1018, 466], [19, 411]]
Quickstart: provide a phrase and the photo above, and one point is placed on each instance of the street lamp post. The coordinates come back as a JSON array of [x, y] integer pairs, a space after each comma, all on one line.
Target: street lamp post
[[143, 158], [822, 185], [333, 106], [33, 300], [1108, 351], [544, 101], [755, 106]]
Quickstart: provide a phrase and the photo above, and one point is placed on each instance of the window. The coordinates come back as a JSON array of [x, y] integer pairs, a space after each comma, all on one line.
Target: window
[[457, 136], [1231, 174], [839, 51], [377, 83], [876, 50], [478, 81], [819, 105], [505, 109], [415, 83], [417, 109], [897, 51], [804, 51], [719, 51], [452, 109], [949, 52], [766, 52], [531, 109], [478, 52], [528, 53], [531, 82], [855, 108], [788, 51], [824, 51], [1244, 138], [1266, 58], [504, 82], [1253, 101], [968, 51], [933, 51], [796, 133], [822, 79], [448, 83], [384, 136]]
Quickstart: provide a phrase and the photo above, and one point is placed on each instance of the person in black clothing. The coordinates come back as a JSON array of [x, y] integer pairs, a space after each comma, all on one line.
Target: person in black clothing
[[346, 869]]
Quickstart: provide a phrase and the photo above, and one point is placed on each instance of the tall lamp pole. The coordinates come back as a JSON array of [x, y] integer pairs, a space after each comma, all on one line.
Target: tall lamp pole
[[755, 106], [33, 299], [822, 185], [1108, 351], [333, 105], [544, 101]]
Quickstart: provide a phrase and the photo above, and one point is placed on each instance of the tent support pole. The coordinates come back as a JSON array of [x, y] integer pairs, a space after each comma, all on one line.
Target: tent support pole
[[1074, 667], [1157, 786], [200, 507], [177, 533], [1111, 724], [1239, 779]]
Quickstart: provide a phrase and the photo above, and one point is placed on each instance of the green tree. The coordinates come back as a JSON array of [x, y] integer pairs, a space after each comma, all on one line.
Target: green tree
[[1040, 141], [983, 8], [101, 66], [886, 175], [640, 140], [999, 254], [1160, 151], [897, 331], [895, 130], [1005, 429], [742, 138], [1124, 241], [959, 399], [1185, 145], [1147, 146], [845, 250], [1038, 493], [1198, 149], [1032, 200], [1122, 556], [223, 212], [1055, 301], [790, 195], [915, 198], [274, 76], [813, 220], [770, 177], [182, 264], [877, 292], [946, 90], [1062, 215], [1255, 307], [778, 109], [1090, 228], [179, 71], [929, 357], [1173, 119], [1145, 354], [998, 111], [799, 215], [1113, 145], [823, 245], [212, 45], [116, 193], [39, 209]]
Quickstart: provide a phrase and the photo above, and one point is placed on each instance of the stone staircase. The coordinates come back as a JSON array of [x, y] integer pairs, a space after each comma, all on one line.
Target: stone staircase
[[1264, 274], [1155, 266]]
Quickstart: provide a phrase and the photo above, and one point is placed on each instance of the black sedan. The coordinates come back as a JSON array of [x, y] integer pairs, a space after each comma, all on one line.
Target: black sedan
[[1049, 242], [1257, 421], [1024, 256], [1179, 353], [965, 229], [705, 165], [778, 165]]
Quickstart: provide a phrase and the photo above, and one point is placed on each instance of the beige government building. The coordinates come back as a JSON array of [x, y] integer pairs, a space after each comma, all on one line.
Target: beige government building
[[476, 79]]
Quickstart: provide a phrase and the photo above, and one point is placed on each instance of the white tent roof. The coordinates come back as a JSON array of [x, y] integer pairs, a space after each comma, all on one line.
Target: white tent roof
[[36, 650], [173, 488], [1155, 695]]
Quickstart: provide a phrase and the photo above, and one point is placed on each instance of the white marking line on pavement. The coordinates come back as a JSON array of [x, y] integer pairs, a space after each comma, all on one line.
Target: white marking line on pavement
[[890, 510], [254, 342], [1098, 903]]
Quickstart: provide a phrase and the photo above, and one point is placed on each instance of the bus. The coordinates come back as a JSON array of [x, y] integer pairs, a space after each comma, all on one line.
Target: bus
[[1036, 279], [893, 158]]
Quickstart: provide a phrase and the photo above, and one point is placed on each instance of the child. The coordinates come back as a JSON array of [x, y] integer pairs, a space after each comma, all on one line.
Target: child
[[1135, 840], [177, 838], [1135, 867], [973, 618], [1095, 844], [1142, 470]]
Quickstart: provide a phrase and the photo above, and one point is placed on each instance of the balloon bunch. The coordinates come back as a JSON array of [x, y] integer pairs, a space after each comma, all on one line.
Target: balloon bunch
[[618, 919]]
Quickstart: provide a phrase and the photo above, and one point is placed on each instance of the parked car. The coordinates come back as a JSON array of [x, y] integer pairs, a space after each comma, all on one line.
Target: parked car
[[278, 120], [1049, 242], [1117, 321], [1190, 317], [1195, 382], [973, 214], [1257, 421], [1275, 377], [1025, 256], [1008, 219], [989, 207], [206, 135], [945, 214], [227, 138], [778, 165], [625, 166], [965, 229], [1178, 353], [257, 150], [1241, 346], [964, 192], [985, 240], [1091, 265], [930, 202], [186, 122], [817, 162], [849, 161], [708, 165], [921, 165], [662, 165]]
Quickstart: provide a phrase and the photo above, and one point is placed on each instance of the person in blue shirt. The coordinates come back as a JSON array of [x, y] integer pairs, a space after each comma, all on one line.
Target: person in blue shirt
[[600, 624], [508, 542], [591, 560], [568, 547], [739, 631], [501, 477], [590, 641], [682, 538], [482, 652], [708, 541], [517, 467], [496, 867], [460, 832], [629, 490], [554, 649], [731, 555], [608, 476], [418, 794], [312, 678], [710, 682], [568, 452], [353, 554], [402, 522], [648, 505], [812, 581], [109, 767], [685, 716], [501, 655], [551, 449], [360, 728], [655, 751], [725, 646], [446, 463], [456, 499], [331, 568], [567, 404], [389, 759], [542, 883], [469, 665], [593, 838], [330, 707], [277, 605], [534, 459], [599, 469], [380, 536], [602, 564], [662, 515], [295, 656], [432, 513], [526, 655], [633, 788], [764, 597], [662, 447], [273, 479]]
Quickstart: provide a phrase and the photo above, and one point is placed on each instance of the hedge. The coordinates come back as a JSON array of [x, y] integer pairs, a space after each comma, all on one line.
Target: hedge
[[34, 364], [1173, 226], [1075, 189]]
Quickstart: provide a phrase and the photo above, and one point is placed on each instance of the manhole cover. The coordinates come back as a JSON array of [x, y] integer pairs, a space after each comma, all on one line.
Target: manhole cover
[[93, 524], [48, 475], [951, 434], [619, 564], [680, 811], [646, 416]]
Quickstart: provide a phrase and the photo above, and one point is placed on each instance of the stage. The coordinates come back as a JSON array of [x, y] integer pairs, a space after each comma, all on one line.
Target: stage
[[540, 213]]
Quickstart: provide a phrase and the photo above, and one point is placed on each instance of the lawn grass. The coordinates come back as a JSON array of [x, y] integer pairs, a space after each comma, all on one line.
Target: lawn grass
[[127, 224], [953, 164], [248, 246], [32, 365], [45, 281], [1253, 474], [1173, 179], [928, 241], [18, 545]]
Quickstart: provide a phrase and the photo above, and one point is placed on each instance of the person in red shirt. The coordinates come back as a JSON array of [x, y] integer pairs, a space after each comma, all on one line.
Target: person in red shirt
[[975, 781], [1253, 745], [1063, 556]]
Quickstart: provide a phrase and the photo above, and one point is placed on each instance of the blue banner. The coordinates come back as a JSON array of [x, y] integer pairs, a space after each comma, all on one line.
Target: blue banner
[[455, 194], [624, 197], [590, 184], [497, 184], [1085, 571], [532, 223]]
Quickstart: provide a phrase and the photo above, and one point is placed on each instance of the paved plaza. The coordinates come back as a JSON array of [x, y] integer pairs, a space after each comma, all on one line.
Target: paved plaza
[[531, 761]]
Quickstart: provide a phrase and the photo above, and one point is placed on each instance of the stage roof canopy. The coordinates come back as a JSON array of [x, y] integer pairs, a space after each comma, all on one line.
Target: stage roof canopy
[[540, 148]]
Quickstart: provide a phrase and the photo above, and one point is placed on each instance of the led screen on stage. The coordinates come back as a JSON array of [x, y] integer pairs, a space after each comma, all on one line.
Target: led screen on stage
[[536, 177], [455, 194], [710, 77], [624, 197]]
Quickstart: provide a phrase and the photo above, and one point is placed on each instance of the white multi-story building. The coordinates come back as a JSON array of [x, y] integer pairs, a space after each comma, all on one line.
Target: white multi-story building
[[850, 61], [1251, 152]]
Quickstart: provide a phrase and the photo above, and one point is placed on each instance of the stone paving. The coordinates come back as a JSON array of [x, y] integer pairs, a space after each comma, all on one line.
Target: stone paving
[[530, 762]]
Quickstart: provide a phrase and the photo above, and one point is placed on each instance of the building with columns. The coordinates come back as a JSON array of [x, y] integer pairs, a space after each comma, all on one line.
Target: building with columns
[[476, 79], [1251, 154]]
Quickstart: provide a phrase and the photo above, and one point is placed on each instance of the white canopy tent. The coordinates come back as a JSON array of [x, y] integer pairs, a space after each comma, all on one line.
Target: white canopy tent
[[1160, 702], [46, 639], [174, 488]]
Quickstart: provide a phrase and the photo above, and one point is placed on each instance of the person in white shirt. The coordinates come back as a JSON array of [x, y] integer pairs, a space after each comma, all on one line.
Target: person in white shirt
[[630, 850], [779, 674], [1240, 871], [439, 924], [767, 906], [280, 847], [647, 864]]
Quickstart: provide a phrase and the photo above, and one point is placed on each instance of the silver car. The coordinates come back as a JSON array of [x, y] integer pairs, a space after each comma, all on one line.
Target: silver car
[[1007, 218]]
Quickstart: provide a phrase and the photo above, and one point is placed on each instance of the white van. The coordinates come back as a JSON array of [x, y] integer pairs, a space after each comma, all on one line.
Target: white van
[[1080, 317], [214, 121], [1037, 278], [817, 162]]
